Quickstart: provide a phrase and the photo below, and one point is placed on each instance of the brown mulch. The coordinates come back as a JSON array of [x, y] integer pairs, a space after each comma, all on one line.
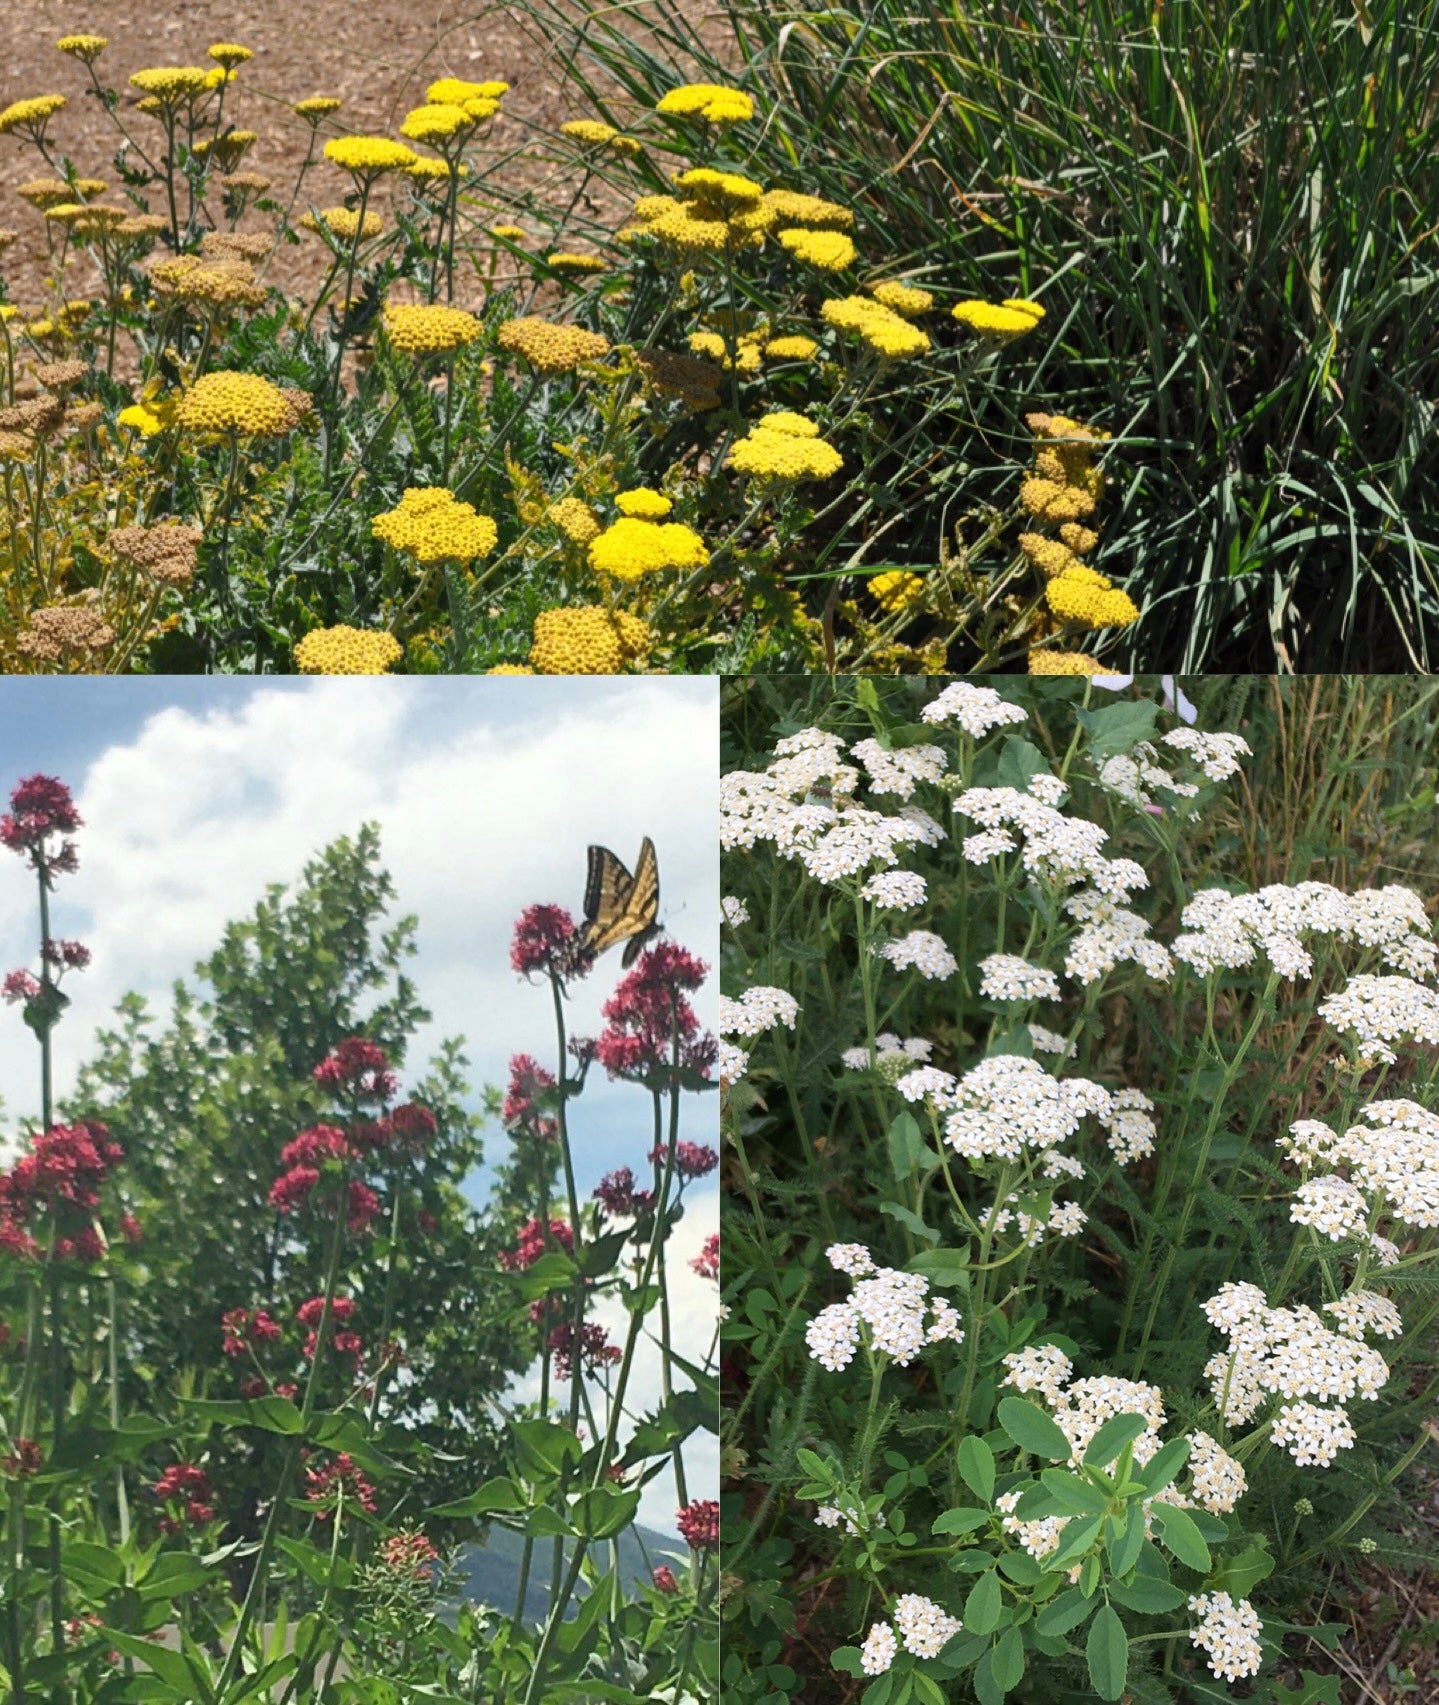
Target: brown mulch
[[377, 55]]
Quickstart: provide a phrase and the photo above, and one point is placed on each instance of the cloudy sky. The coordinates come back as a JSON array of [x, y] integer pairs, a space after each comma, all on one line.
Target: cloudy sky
[[197, 794]]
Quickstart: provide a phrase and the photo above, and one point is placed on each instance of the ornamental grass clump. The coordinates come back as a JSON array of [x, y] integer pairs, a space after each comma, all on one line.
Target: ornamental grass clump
[[1083, 1132]]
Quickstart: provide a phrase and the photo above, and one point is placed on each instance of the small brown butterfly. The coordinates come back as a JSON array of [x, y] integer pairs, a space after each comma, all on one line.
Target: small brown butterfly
[[621, 907]]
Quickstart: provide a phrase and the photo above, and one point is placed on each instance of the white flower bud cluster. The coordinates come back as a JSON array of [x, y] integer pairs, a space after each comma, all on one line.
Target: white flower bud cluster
[[1050, 1042], [1008, 1103], [1111, 935], [1392, 1166], [877, 1652], [1219, 1481], [1040, 1367], [1226, 930], [888, 1048], [733, 911], [899, 769], [1058, 849], [1378, 1011], [1290, 1353], [849, 1516], [896, 890], [975, 709], [1008, 977], [757, 1009], [1228, 1635], [923, 950], [1064, 1219], [930, 1084], [1048, 790], [1217, 755], [1133, 774], [924, 1627], [1130, 1127], [890, 1304]]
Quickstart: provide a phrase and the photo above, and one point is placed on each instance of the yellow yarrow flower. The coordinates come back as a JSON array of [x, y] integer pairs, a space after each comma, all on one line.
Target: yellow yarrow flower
[[588, 640], [1051, 501], [887, 333], [170, 84], [1012, 318], [428, 328], [748, 349], [644, 503], [630, 547], [366, 156], [575, 519], [831, 251], [229, 54], [318, 106], [896, 589], [508, 233], [343, 222], [1050, 556], [347, 651], [551, 348], [1066, 663], [242, 403], [904, 299], [784, 446], [712, 102], [31, 115], [728, 189], [580, 264], [432, 525], [793, 208], [1085, 596], [86, 47], [149, 418], [791, 348], [510, 669], [595, 133], [458, 90], [1079, 539], [436, 123], [218, 77]]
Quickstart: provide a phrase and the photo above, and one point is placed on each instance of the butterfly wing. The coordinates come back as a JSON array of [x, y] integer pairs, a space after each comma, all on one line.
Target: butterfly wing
[[607, 892], [642, 904]]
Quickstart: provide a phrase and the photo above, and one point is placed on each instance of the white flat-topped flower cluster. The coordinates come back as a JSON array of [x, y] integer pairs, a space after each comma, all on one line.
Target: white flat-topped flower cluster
[[1231, 930], [1228, 1634], [1390, 1170], [924, 1627], [894, 1309], [1291, 1354]]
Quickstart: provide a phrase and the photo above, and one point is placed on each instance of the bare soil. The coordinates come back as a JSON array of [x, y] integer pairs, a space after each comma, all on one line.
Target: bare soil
[[377, 55]]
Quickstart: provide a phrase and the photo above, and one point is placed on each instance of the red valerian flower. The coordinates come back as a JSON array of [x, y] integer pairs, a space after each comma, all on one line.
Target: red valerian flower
[[131, 1229], [19, 986], [185, 1492], [410, 1128], [357, 1068], [546, 940], [664, 1580], [292, 1189], [66, 1166], [243, 1327], [528, 1079], [647, 1017], [41, 806], [68, 955], [410, 1554], [329, 1487], [692, 1160], [596, 1351], [617, 1195], [699, 1523], [312, 1312], [706, 1263], [26, 1459], [321, 1143], [532, 1243]]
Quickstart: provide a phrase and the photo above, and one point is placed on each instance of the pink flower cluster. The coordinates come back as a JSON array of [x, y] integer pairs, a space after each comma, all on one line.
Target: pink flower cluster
[[617, 1195], [699, 1524], [410, 1554], [532, 1243], [595, 1349], [528, 1080], [706, 1263], [185, 1492], [41, 808], [546, 941], [357, 1070], [650, 1027], [61, 1176], [244, 1327], [339, 1481]]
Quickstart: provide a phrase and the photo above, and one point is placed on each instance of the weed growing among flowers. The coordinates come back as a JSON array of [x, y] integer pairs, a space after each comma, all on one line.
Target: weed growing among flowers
[[1082, 1190]]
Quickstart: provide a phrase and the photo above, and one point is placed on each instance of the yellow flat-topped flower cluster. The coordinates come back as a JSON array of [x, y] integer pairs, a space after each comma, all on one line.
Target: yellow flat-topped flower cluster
[[432, 525], [883, 330], [784, 446], [240, 403], [588, 640], [631, 547], [347, 651], [428, 328], [550, 347]]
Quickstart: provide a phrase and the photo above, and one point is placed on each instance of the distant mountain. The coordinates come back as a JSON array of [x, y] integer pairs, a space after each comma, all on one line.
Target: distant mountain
[[490, 1572]]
